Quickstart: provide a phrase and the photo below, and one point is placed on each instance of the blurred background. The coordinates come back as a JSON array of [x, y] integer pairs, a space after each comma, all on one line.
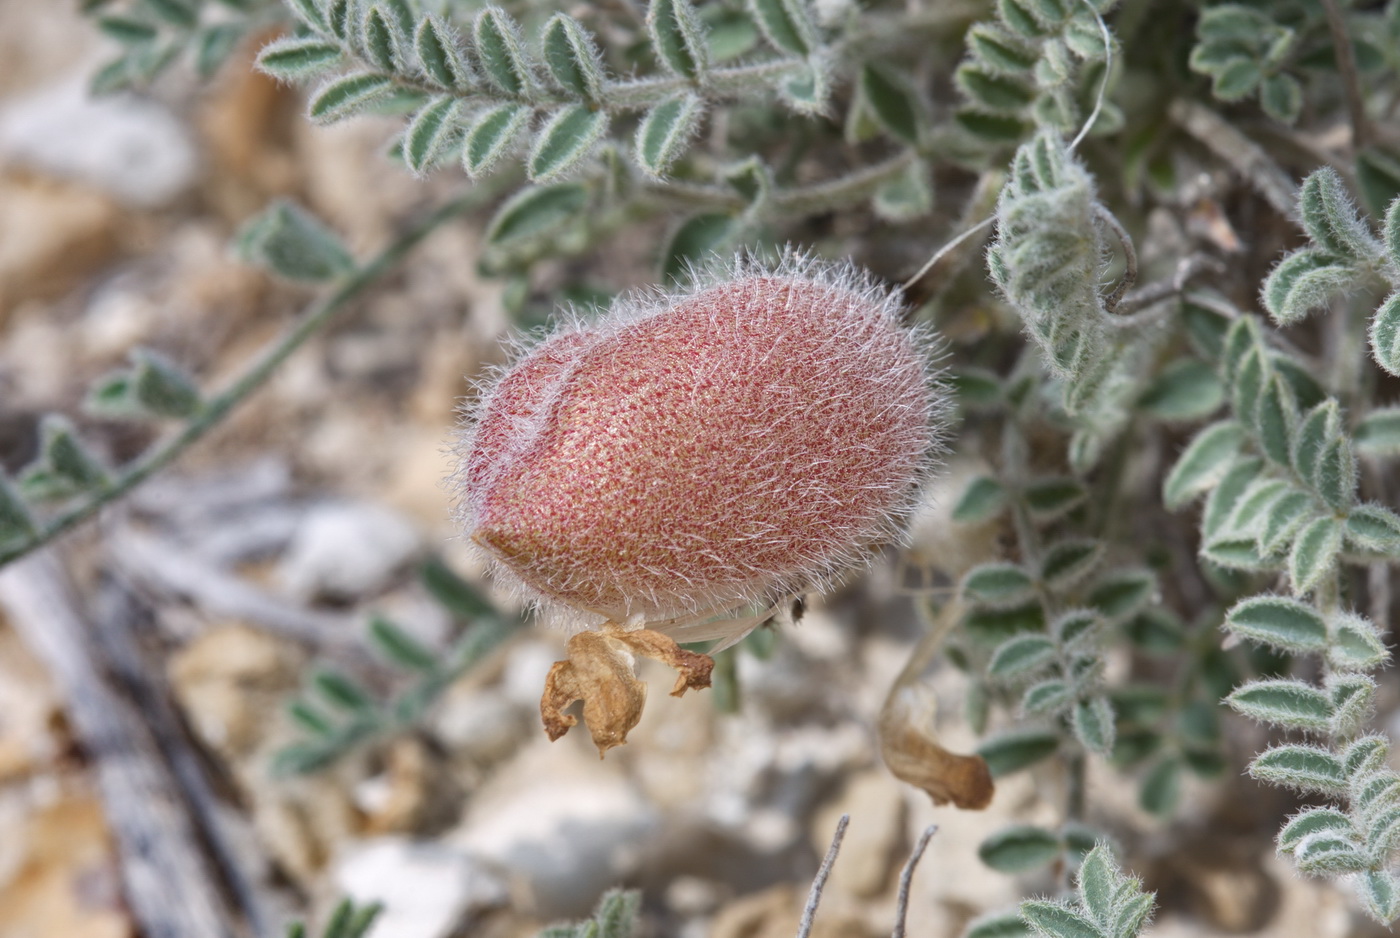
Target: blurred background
[[151, 776]]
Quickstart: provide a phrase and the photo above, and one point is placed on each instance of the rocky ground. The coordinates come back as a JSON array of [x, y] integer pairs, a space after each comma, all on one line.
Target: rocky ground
[[184, 620]]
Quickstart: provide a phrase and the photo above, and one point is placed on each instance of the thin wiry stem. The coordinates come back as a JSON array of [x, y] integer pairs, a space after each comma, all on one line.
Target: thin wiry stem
[[1130, 260], [814, 898], [1361, 131], [906, 878], [311, 321]]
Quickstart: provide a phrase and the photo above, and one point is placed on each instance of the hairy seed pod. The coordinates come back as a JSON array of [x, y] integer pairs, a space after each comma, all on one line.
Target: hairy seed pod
[[688, 454]]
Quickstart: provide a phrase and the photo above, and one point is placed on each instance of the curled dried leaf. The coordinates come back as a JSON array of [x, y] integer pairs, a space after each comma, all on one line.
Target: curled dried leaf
[[913, 754], [908, 744], [601, 670]]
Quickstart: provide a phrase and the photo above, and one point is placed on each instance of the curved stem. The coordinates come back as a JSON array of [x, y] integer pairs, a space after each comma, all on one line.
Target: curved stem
[[218, 407]]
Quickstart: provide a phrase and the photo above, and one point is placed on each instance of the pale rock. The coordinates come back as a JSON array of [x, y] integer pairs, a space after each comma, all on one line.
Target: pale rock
[[231, 682], [482, 725], [345, 550], [127, 146], [427, 889], [562, 825], [51, 234], [875, 839]]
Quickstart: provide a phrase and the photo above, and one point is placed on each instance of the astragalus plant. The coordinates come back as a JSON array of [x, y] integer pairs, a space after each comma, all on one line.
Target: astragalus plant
[[1164, 256]]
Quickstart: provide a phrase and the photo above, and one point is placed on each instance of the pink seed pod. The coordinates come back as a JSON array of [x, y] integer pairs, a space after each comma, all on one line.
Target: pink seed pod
[[692, 453]]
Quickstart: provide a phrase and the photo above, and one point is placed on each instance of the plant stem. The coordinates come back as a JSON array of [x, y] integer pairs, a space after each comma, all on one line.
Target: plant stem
[[216, 408], [1361, 133]]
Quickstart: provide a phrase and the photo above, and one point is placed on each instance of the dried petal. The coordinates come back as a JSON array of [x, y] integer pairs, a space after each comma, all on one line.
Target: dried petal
[[601, 671]]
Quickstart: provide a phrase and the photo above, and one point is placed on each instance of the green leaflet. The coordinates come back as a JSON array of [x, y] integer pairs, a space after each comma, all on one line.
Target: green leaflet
[[666, 131], [565, 142], [1019, 849]]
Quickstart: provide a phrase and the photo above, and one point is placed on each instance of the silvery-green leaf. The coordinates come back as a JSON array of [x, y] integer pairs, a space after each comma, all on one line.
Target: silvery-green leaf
[[1054, 920], [1161, 788], [1223, 499], [1352, 696], [1013, 750], [1334, 474], [1067, 562], [215, 44], [501, 53], [992, 94], [1051, 497], [697, 238], [291, 243], [492, 134], [906, 196], [1185, 390], [1001, 51], [1329, 854], [310, 13], [160, 387], [572, 57], [342, 97], [1319, 427], [1313, 821], [1278, 622], [997, 585], [1374, 528], [785, 24], [1282, 519], [1120, 595], [983, 499], [1304, 768], [175, 13], [1092, 721], [378, 40], [127, 30], [1248, 382], [1331, 220], [678, 37], [807, 89], [1098, 882], [1380, 893], [1356, 644], [1367, 754], [1251, 510], [1391, 232], [1385, 334], [1314, 554], [537, 210], [429, 132], [1019, 848], [1203, 463], [440, 55], [666, 131], [65, 466], [1019, 656], [1276, 419], [16, 525], [294, 59], [1284, 703], [893, 104], [998, 925], [338, 18], [1046, 696], [565, 141], [1377, 434], [1242, 337], [1017, 16]]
